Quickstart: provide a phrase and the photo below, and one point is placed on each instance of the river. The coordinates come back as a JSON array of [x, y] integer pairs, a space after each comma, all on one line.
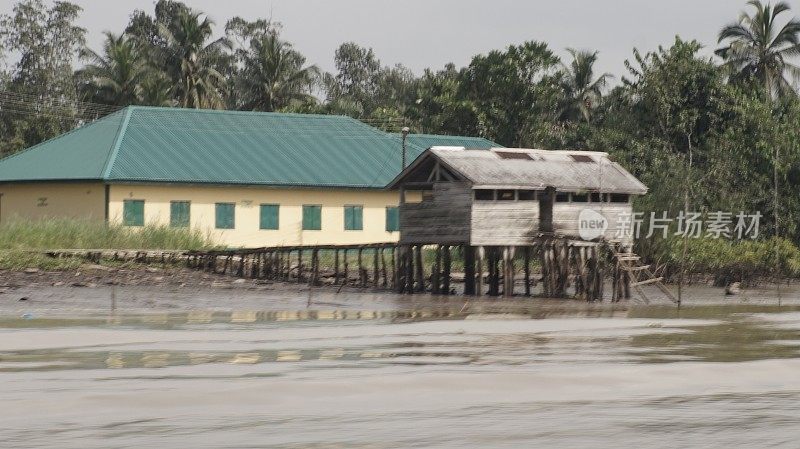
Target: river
[[439, 375]]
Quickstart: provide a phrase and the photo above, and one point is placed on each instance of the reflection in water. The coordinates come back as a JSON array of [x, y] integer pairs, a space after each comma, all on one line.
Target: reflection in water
[[487, 376]]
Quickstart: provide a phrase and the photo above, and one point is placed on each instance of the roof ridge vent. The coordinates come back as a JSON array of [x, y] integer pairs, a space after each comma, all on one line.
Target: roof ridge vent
[[517, 155]]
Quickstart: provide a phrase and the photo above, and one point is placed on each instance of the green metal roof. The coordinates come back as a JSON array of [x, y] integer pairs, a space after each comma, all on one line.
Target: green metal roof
[[148, 144]]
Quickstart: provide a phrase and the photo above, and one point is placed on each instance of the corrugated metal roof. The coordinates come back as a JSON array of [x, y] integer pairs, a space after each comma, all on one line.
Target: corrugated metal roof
[[77, 155], [589, 171], [148, 144]]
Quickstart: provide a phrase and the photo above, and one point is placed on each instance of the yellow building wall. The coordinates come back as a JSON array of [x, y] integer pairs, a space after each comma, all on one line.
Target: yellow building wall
[[47, 200], [157, 200]]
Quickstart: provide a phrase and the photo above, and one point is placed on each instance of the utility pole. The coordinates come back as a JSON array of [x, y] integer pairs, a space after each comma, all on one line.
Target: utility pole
[[405, 132]]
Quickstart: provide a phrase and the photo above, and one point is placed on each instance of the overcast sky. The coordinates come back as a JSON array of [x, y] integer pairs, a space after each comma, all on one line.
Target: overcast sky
[[431, 33]]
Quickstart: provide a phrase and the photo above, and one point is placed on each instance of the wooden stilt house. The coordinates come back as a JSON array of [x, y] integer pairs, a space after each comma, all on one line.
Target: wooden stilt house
[[513, 197]]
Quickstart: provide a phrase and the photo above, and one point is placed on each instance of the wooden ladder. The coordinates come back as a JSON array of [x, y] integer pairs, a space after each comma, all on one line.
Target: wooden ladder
[[641, 275]]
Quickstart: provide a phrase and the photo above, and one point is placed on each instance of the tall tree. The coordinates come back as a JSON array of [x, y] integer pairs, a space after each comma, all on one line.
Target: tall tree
[[273, 75], [442, 106], [116, 75], [40, 99], [357, 75], [582, 91], [177, 42], [758, 49], [192, 59], [514, 92]]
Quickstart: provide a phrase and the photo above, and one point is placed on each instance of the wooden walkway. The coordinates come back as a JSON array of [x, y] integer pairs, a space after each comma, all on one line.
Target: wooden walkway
[[555, 263], [560, 267]]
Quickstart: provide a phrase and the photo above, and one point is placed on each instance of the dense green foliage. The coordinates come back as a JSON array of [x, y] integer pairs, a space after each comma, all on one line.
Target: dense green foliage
[[704, 134], [728, 261]]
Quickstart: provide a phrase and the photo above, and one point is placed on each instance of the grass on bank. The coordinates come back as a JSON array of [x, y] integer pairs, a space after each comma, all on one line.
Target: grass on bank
[[21, 239], [729, 261]]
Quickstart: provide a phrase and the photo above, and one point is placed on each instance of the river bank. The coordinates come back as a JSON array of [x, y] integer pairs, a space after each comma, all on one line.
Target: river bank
[[97, 289]]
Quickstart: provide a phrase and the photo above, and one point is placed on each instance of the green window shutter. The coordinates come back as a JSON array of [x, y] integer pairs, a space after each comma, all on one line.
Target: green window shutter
[[392, 219], [353, 218], [269, 216], [358, 218], [312, 218], [225, 215], [133, 212], [179, 214]]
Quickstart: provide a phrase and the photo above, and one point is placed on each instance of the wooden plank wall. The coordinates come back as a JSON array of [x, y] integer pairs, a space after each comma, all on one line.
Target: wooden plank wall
[[504, 223], [443, 218]]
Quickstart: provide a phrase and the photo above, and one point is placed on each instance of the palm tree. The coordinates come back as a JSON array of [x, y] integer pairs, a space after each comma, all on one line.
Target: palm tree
[[192, 63], [156, 90], [115, 76], [273, 76], [582, 91], [756, 49]]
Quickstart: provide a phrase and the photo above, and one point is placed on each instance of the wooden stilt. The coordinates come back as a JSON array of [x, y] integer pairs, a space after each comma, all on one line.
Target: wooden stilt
[[508, 271], [299, 266], [527, 270], [479, 271], [362, 272], [469, 269], [420, 267], [385, 282], [346, 279], [436, 271], [447, 260], [410, 271], [336, 267], [376, 269], [494, 272]]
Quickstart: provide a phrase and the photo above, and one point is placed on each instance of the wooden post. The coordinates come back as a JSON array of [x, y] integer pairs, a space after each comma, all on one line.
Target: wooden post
[[527, 262], [375, 267], [479, 271], [346, 269], [508, 271], [399, 266], [410, 269], [362, 273], [544, 254], [336, 266], [395, 263], [494, 272], [314, 267], [446, 272], [469, 269], [383, 269], [436, 270], [420, 270], [299, 266]]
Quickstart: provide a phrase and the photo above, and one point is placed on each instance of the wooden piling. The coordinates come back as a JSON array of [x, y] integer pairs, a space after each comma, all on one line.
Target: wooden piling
[[479, 271], [436, 271], [447, 260], [420, 269], [469, 269]]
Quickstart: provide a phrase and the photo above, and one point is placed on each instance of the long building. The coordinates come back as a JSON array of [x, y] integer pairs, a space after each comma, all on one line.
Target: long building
[[247, 178]]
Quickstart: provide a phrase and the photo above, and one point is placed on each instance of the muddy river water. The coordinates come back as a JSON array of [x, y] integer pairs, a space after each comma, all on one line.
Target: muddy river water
[[350, 371]]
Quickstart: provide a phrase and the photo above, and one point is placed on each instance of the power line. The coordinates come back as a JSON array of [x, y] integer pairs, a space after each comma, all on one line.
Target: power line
[[39, 99]]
